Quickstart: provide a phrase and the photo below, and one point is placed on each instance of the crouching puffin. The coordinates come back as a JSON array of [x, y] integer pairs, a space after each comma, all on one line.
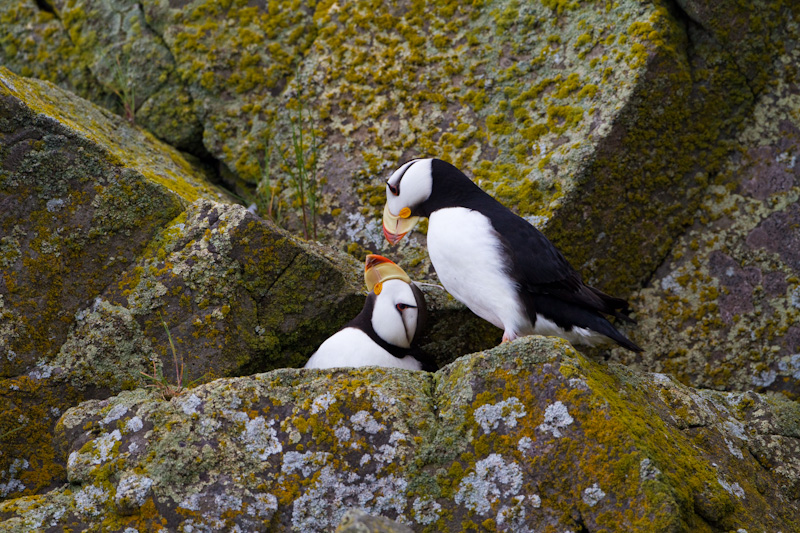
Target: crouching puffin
[[497, 264], [386, 331]]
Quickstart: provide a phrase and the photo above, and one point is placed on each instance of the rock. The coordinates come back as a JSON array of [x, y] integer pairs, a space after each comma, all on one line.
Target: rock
[[99, 257], [526, 436], [237, 294], [34, 43], [132, 62], [613, 130], [558, 110], [357, 521], [723, 310], [81, 195]]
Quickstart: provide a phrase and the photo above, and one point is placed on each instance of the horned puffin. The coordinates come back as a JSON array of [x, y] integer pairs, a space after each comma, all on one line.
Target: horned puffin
[[386, 331], [494, 262]]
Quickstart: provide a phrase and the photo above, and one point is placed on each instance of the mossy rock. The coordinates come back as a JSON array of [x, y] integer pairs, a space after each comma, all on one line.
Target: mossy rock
[[236, 293], [133, 63], [34, 43], [528, 435], [585, 119], [357, 521], [81, 195], [723, 310]]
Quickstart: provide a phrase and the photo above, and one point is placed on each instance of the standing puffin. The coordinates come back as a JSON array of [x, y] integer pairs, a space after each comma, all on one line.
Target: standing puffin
[[386, 331], [501, 267]]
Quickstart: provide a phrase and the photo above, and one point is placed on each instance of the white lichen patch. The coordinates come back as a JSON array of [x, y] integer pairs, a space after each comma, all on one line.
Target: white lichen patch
[[41, 371], [790, 365], [524, 444], [736, 428], [426, 511], [764, 379], [733, 488], [227, 506], [114, 414], [79, 464], [133, 425], [105, 446], [342, 434], [387, 453], [578, 383], [91, 501], [647, 470], [669, 283], [132, 491], [12, 484], [662, 379], [359, 227], [322, 402], [556, 418], [190, 404], [593, 495], [191, 502], [260, 438], [209, 426], [321, 507], [55, 204], [512, 517], [383, 401], [490, 416], [492, 479], [364, 421], [736, 452], [264, 506], [307, 463]]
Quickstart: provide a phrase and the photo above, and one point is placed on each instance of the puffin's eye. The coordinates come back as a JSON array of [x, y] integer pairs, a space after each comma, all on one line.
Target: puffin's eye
[[403, 307], [393, 188]]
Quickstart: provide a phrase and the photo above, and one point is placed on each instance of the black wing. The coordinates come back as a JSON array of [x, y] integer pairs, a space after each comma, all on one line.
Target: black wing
[[542, 270]]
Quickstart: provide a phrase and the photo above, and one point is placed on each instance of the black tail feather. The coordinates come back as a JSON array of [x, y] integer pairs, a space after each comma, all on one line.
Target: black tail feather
[[616, 307]]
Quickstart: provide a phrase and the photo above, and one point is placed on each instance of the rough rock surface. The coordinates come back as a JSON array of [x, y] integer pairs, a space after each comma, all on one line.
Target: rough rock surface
[[35, 43], [558, 108], [723, 311], [357, 521], [97, 254], [525, 437], [613, 127], [82, 194]]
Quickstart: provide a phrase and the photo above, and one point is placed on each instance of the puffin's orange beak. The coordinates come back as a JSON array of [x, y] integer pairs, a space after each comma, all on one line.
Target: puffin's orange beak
[[395, 227], [378, 269]]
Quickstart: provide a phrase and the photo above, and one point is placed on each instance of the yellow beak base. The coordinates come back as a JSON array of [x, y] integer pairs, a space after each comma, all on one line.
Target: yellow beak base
[[378, 269], [395, 227]]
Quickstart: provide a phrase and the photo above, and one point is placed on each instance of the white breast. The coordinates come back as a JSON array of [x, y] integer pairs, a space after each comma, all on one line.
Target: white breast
[[468, 257], [353, 347]]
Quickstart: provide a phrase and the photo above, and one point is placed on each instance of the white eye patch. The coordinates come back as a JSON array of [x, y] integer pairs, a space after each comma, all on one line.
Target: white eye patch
[[413, 183]]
